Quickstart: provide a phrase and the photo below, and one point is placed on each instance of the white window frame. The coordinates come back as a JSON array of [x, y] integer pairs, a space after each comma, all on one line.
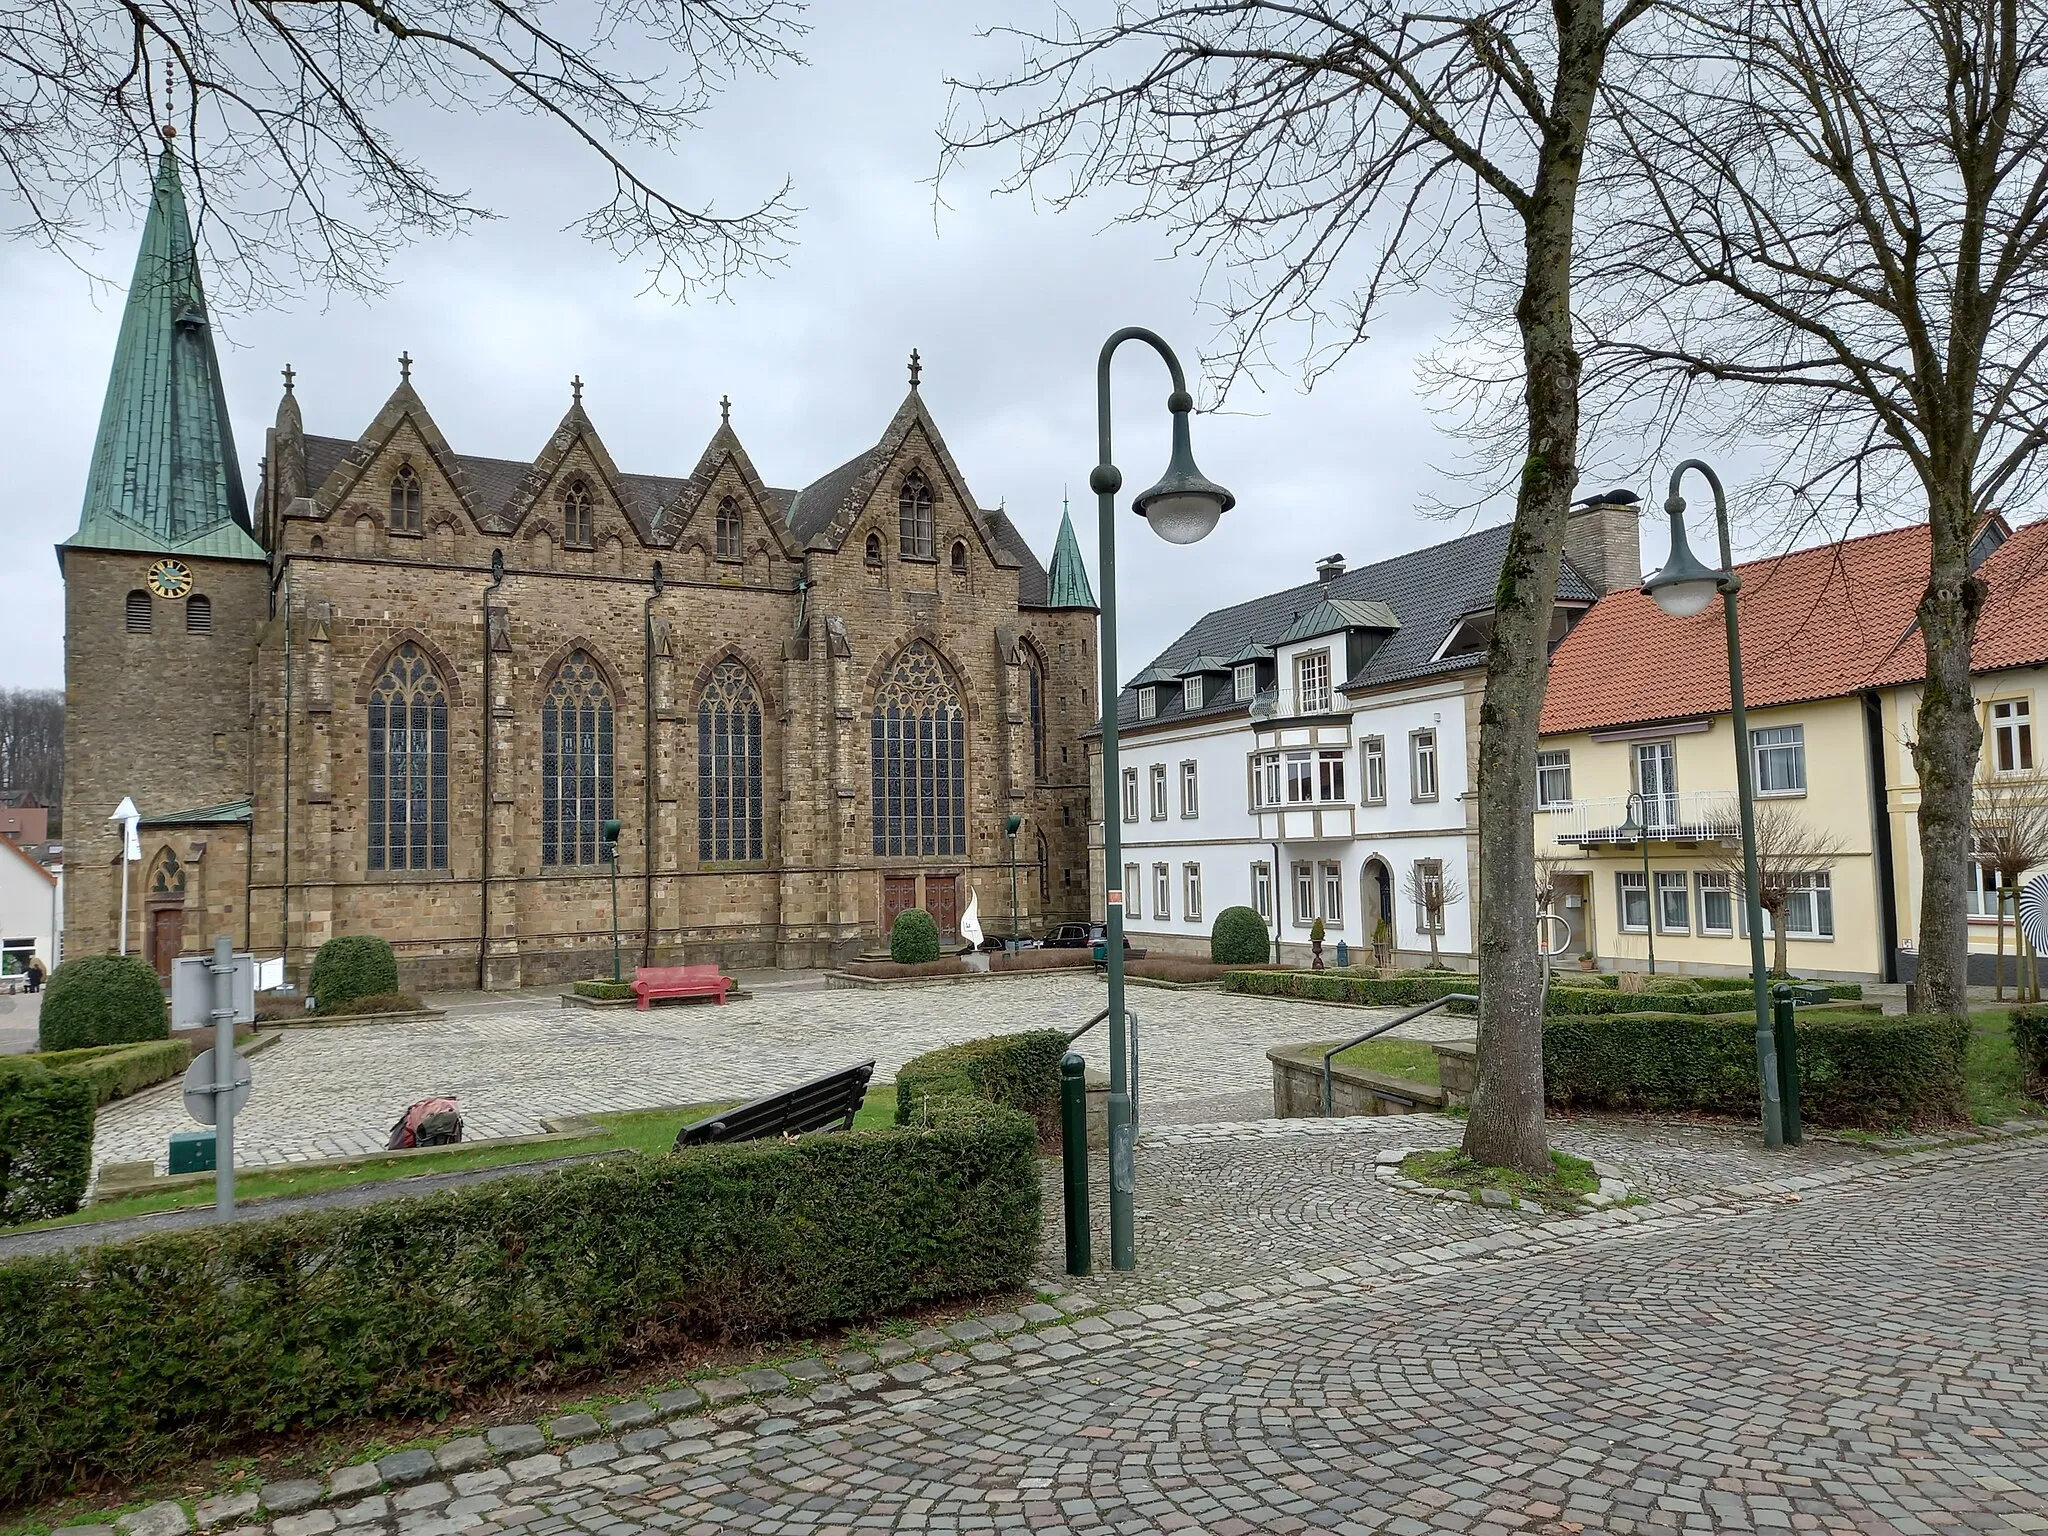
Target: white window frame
[[1134, 877], [1162, 893], [1665, 883], [1330, 877], [1982, 901], [1312, 683], [1262, 889], [1130, 795], [1551, 766], [1157, 786], [1660, 802], [1629, 882], [2012, 736], [1430, 871], [1423, 782], [1793, 745], [1191, 892], [1330, 776], [1191, 693], [1265, 780], [1148, 703], [1190, 791], [1810, 910], [1372, 770], [1299, 766], [1244, 681], [1304, 887], [1724, 886]]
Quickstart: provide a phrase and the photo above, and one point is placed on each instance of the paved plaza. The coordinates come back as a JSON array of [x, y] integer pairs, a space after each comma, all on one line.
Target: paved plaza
[[333, 1092]]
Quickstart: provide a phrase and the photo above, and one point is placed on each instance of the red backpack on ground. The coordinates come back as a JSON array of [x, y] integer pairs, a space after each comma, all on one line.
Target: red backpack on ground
[[429, 1123]]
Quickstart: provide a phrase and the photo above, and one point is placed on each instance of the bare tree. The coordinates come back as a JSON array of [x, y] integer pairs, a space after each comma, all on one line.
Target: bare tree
[[1790, 852], [1434, 893], [2009, 837], [1323, 158], [1834, 232], [289, 114], [32, 744]]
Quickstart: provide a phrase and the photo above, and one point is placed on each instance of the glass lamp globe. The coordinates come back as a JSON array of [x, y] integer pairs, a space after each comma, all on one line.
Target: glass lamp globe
[[1684, 586], [1184, 506]]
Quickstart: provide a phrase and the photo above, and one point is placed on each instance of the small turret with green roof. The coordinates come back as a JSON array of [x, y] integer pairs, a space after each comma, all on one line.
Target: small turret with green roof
[[1067, 584]]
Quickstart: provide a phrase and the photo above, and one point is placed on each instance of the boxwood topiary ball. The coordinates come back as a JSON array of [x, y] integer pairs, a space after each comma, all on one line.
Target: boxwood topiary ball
[[102, 1000], [1239, 937], [351, 966], [914, 938]]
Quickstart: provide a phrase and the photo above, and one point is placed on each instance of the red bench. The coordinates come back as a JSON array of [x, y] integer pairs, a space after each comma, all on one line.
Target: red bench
[[652, 981]]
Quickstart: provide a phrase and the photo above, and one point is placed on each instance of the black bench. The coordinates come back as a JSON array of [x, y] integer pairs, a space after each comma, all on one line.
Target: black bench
[[824, 1103]]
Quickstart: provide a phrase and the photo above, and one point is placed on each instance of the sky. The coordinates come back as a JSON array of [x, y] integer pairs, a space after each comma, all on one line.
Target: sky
[[1006, 303]]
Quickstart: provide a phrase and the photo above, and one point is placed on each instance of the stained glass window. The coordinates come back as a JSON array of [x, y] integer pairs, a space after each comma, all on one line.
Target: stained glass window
[[575, 764], [729, 797], [918, 751], [1034, 679], [914, 516], [408, 765]]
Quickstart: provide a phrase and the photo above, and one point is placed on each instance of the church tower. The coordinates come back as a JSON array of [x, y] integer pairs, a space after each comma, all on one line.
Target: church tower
[[165, 593]]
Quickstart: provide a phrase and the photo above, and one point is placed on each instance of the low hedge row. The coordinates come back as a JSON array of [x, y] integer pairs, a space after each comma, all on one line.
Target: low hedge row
[[605, 991], [115, 1071], [126, 1359], [1348, 987], [1842, 991], [1863, 1070], [1020, 1072], [45, 1145], [2029, 1033]]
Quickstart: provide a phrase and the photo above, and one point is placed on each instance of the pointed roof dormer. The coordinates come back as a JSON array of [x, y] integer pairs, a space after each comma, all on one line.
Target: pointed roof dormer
[[164, 477], [1067, 587]]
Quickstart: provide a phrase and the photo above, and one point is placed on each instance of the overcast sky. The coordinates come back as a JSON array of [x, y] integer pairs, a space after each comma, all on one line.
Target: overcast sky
[[1006, 304]]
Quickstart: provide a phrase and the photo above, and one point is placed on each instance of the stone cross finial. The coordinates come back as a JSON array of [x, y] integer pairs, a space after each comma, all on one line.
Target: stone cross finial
[[916, 368], [576, 388], [288, 377], [405, 367], [725, 410]]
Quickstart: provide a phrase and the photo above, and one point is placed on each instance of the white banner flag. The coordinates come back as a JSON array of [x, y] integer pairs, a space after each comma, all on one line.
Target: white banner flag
[[970, 920]]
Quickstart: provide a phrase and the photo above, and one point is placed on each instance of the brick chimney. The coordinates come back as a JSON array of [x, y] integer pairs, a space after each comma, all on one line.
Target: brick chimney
[[1329, 568], [1604, 542]]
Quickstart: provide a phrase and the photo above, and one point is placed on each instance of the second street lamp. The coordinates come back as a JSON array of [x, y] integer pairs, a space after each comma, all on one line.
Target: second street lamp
[[611, 830], [1011, 824], [1182, 508], [1640, 829], [1683, 588]]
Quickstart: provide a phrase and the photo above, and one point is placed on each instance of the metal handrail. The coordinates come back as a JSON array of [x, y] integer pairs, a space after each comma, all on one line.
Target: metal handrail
[[1130, 1018], [1381, 1029]]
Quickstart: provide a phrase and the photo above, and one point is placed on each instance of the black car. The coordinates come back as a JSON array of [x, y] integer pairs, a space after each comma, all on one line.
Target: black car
[[1079, 936]]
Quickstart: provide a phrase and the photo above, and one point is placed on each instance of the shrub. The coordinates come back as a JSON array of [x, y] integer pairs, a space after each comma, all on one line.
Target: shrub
[[1239, 938], [608, 991], [1174, 968], [381, 1002], [115, 1071], [1855, 1069], [102, 1000], [1020, 1072], [124, 1359], [1343, 987], [889, 970], [914, 938], [1040, 960], [2029, 1032], [351, 966], [45, 1142]]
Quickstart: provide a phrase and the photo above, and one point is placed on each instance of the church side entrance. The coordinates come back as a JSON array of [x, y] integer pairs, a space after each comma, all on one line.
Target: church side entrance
[[166, 937], [940, 896]]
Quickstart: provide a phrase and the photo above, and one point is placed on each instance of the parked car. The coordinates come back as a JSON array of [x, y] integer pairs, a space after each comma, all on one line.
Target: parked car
[[1079, 936], [996, 943]]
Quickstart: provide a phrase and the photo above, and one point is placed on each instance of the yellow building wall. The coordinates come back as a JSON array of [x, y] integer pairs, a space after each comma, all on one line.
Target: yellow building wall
[[1837, 800]]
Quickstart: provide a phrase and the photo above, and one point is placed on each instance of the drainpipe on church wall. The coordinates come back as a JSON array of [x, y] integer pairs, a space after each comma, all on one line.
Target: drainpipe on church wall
[[647, 777], [483, 938]]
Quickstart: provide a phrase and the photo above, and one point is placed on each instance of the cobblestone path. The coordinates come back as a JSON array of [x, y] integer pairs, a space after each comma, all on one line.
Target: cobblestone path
[[335, 1092], [1870, 1359]]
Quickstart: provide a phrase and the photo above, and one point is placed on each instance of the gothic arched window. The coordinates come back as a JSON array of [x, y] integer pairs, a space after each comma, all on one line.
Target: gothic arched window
[[959, 557], [575, 764], [408, 765], [918, 751], [166, 878], [405, 500], [728, 524], [874, 550], [729, 797], [1034, 709], [576, 515], [914, 516]]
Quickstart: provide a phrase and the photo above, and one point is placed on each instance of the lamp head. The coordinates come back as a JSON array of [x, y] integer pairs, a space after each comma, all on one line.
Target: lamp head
[[1685, 585], [1184, 506], [612, 829], [1630, 825], [1011, 823]]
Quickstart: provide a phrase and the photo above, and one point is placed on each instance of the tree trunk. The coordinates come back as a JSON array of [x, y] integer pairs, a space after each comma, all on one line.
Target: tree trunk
[[1778, 936], [1998, 960], [1945, 755]]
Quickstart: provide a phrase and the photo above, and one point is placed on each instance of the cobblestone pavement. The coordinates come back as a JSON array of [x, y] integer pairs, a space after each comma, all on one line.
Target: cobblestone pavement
[[335, 1092], [1846, 1349]]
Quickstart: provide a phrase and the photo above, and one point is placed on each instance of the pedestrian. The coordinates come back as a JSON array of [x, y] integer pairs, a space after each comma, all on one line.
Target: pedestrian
[[36, 972]]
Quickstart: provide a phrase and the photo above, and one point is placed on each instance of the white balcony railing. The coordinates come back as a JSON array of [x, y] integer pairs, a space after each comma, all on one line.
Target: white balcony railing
[[1700, 816]]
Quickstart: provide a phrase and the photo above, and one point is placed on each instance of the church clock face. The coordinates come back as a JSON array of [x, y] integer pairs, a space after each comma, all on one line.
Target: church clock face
[[170, 578]]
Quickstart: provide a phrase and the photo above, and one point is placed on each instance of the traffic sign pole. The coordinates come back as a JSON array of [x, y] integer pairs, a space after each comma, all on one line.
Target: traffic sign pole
[[224, 1065]]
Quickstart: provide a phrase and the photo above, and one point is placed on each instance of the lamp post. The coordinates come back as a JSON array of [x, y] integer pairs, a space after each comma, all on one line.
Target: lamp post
[[1683, 588], [610, 833], [1641, 831], [1011, 824], [1182, 508]]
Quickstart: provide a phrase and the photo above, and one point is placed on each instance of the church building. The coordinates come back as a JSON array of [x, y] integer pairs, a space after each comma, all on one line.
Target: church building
[[403, 690]]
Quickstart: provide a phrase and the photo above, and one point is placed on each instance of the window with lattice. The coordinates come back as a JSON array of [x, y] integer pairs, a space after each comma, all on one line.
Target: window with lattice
[[914, 516], [1034, 688], [729, 795], [405, 500], [575, 764], [918, 757], [578, 519], [728, 529], [408, 764]]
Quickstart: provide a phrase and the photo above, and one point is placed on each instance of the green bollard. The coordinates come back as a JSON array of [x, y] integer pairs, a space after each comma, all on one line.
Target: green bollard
[[1074, 1159], [1785, 1027]]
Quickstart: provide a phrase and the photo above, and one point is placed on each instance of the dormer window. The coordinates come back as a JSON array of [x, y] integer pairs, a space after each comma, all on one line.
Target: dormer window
[[1148, 703], [1191, 693], [1245, 681], [914, 516], [1312, 683], [405, 500], [577, 518]]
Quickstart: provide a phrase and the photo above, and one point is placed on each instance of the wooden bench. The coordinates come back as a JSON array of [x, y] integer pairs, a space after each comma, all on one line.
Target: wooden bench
[[823, 1104], [651, 981]]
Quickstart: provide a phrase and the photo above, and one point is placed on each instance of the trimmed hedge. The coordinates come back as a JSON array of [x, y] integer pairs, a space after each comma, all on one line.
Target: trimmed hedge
[[1239, 938], [102, 1000], [350, 966], [1020, 1072], [1343, 987], [1862, 1070], [914, 938], [128, 1358], [1838, 991], [2029, 1033], [115, 1071], [384, 1002], [45, 1146], [607, 991]]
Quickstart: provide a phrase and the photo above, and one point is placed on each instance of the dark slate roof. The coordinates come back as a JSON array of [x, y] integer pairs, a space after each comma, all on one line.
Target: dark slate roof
[[1429, 590], [812, 509], [1031, 577]]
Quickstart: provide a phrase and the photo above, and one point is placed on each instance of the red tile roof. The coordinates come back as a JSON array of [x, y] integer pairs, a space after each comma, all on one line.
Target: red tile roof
[[1816, 624]]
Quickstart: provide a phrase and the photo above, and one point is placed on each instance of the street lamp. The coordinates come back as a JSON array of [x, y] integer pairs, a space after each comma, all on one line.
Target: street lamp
[[1683, 588], [611, 852], [1640, 831], [1011, 824], [1182, 508]]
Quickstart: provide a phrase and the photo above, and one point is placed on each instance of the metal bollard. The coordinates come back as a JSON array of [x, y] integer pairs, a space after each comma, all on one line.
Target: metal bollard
[[1786, 1028], [1074, 1159]]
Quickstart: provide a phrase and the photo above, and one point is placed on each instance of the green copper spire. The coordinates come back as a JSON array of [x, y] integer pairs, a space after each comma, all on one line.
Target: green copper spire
[[164, 477], [1067, 586]]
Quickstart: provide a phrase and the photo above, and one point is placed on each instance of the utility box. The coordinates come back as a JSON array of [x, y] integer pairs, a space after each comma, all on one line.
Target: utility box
[[191, 1152]]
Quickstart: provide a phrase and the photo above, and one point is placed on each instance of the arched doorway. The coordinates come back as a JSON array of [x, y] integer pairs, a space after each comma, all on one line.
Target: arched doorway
[[164, 909], [1376, 901]]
